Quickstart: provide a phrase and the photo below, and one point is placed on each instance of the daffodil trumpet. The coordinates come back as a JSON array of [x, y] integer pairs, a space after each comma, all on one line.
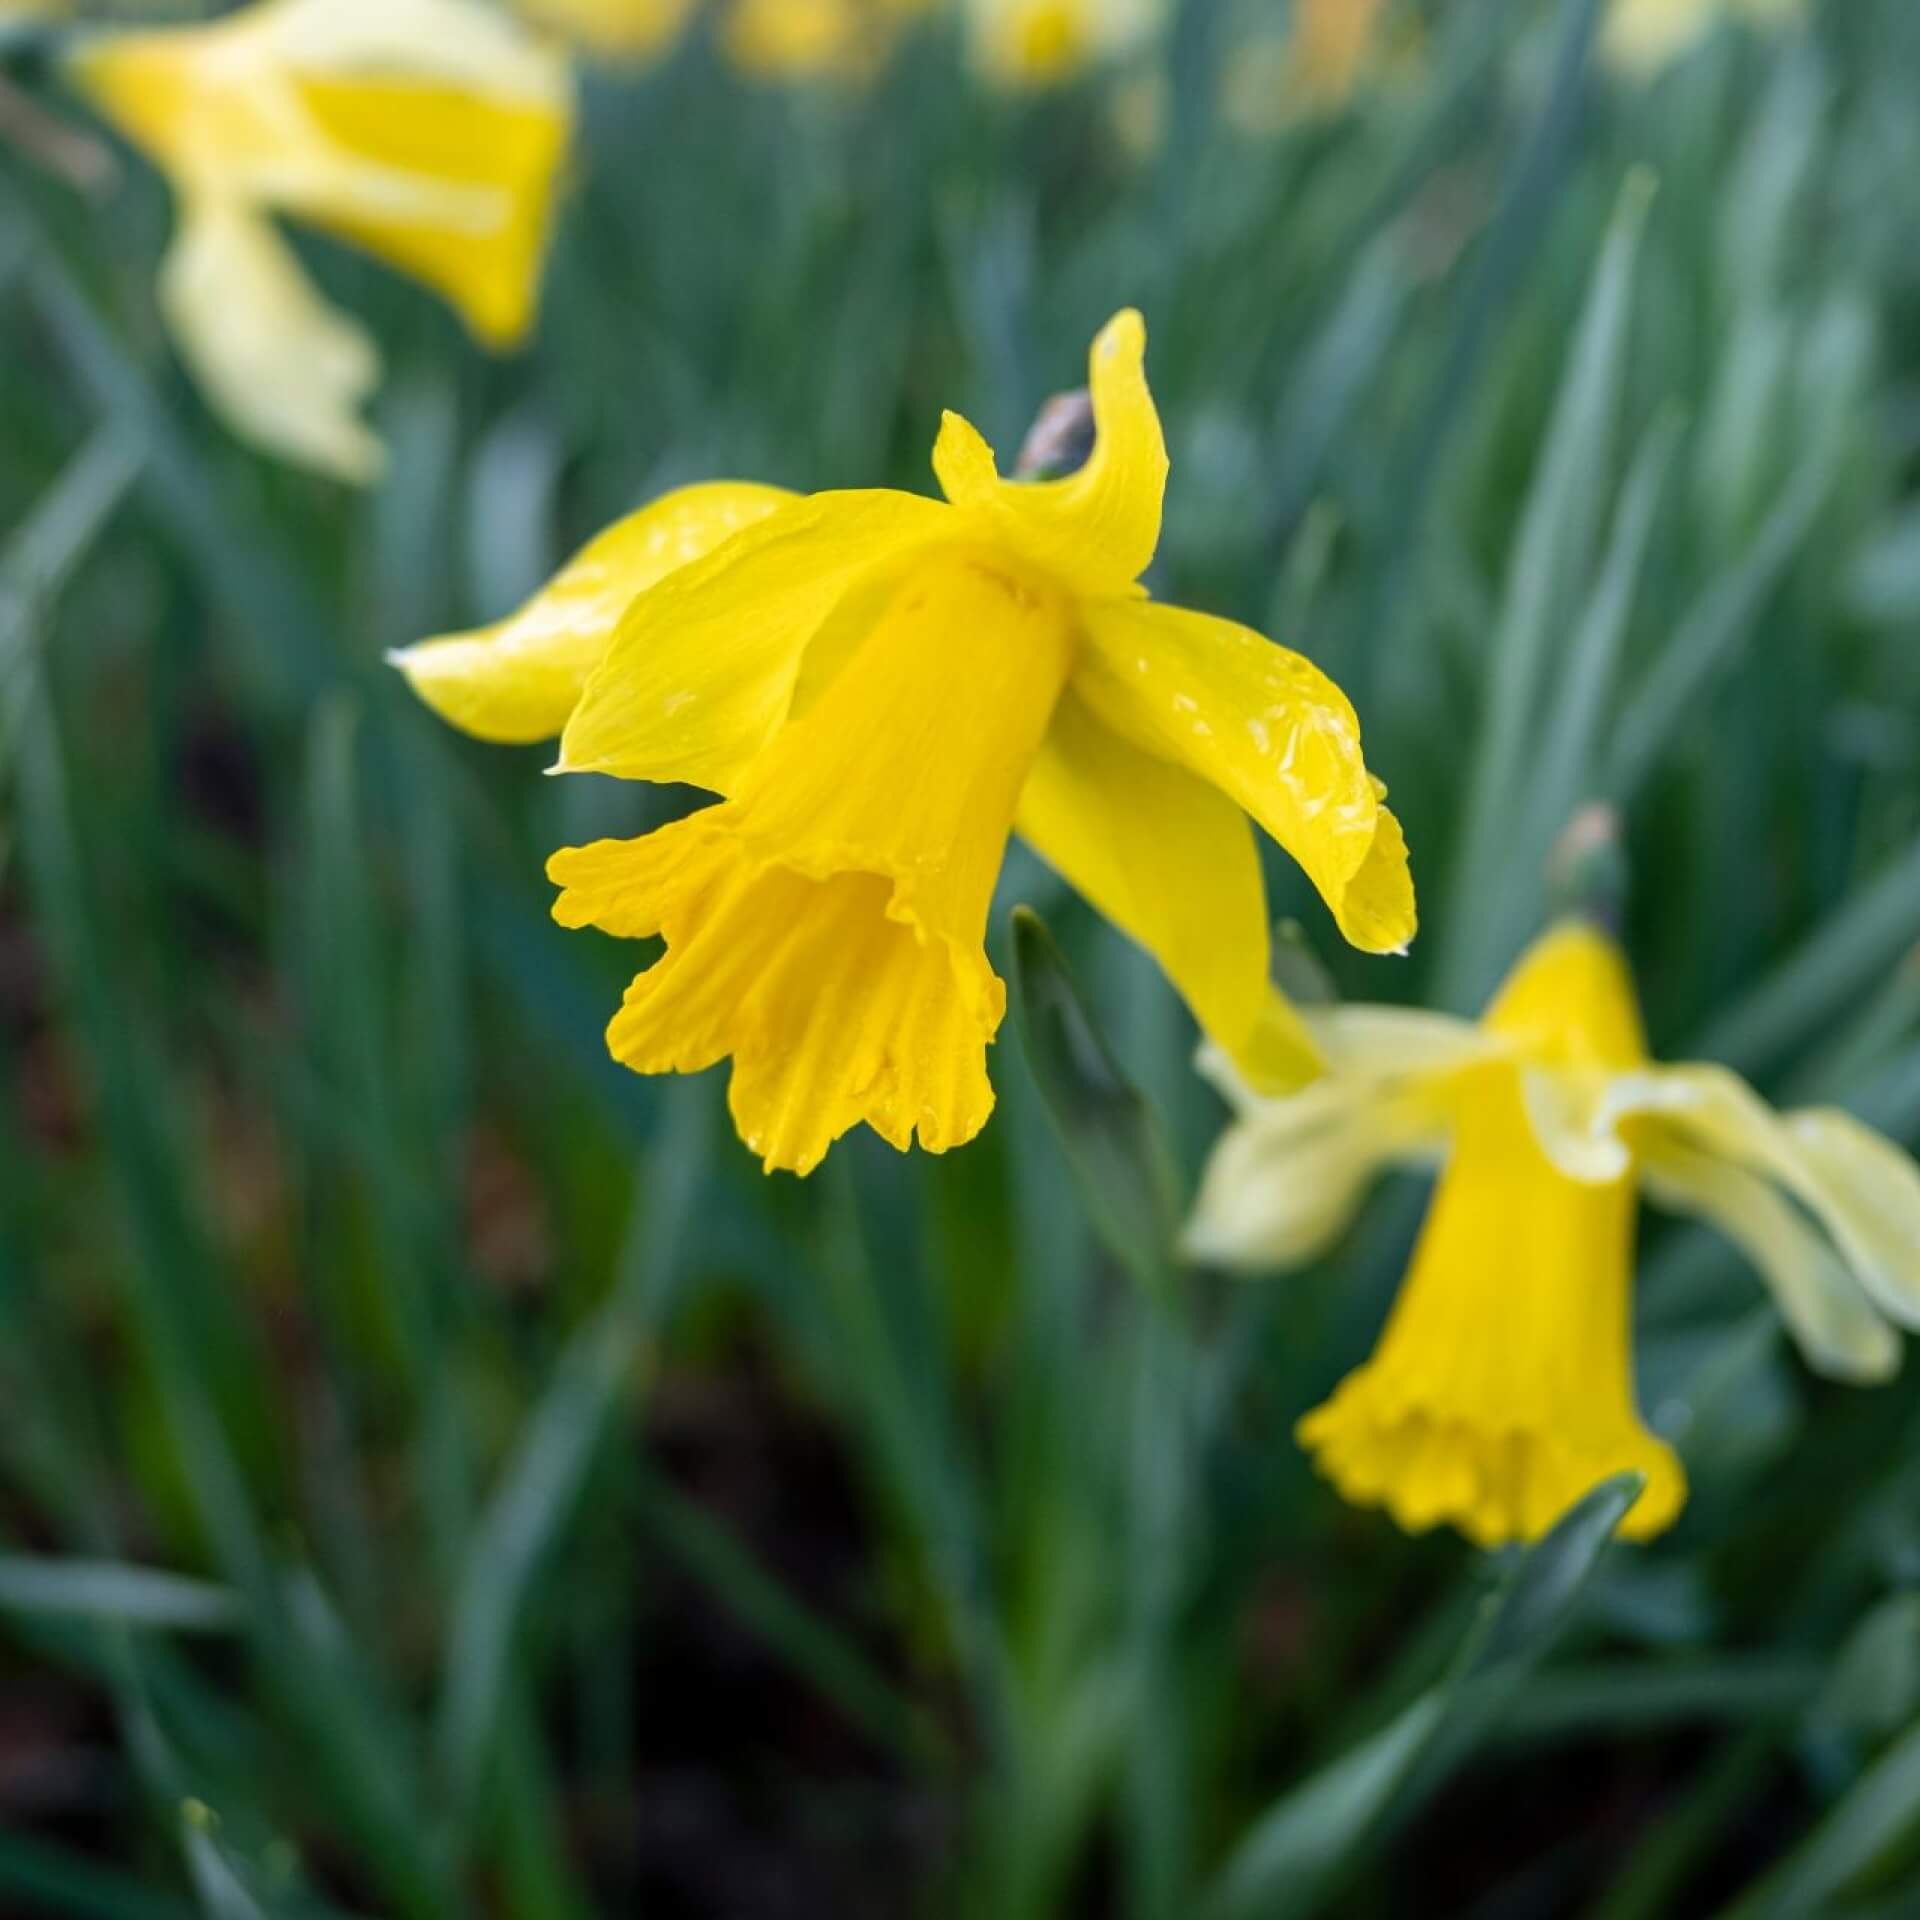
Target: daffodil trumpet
[[882, 688], [1502, 1387]]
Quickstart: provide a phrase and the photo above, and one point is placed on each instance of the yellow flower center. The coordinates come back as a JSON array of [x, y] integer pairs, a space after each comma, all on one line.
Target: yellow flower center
[[824, 925]]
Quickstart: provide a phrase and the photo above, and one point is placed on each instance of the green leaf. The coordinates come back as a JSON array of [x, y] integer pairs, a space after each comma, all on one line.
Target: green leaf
[[76, 1888], [1846, 953], [1874, 1689], [1547, 577], [1300, 1852], [540, 1489], [1709, 635], [1120, 1162], [109, 1591], [1872, 1830]]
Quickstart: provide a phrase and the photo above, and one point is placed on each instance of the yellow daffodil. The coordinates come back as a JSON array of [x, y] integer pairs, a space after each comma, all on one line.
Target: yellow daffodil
[[428, 132], [882, 686], [1642, 36], [628, 30], [846, 41], [1312, 68], [1025, 45], [1502, 1388]]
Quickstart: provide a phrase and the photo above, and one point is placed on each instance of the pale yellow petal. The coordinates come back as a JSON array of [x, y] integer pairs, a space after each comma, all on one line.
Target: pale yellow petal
[[701, 670], [1272, 732], [1821, 1302], [428, 131], [518, 680], [287, 372], [1871, 1196], [1097, 529], [1395, 1043], [1172, 862], [1288, 1176], [1861, 1189]]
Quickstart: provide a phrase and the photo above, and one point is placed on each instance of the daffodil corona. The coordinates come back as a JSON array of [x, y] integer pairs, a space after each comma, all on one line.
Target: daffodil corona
[[1502, 1388], [883, 687], [428, 132]]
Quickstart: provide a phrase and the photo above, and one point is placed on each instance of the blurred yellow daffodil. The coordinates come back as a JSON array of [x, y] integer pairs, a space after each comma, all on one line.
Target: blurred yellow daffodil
[[1026, 45], [883, 686], [628, 30], [1312, 68], [1642, 36], [845, 41], [428, 132], [1502, 1388]]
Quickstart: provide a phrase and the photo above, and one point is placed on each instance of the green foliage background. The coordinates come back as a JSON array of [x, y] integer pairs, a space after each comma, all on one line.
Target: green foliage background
[[439, 1475]]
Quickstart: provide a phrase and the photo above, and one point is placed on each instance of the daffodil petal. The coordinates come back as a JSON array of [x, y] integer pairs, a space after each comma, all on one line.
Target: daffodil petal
[[1863, 1190], [1872, 1198], [1826, 1311], [701, 670], [1284, 1181], [1096, 529], [1272, 732], [286, 370], [1171, 862], [1567, 1109], [1395, 1043], [518, 680], [429, 132]]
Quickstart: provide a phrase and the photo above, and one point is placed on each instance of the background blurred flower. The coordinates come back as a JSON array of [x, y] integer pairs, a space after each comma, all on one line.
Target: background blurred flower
[[428, 132], [1502, 1388], [840, 40], [1022, 44], [1641, 36], [634, 30]]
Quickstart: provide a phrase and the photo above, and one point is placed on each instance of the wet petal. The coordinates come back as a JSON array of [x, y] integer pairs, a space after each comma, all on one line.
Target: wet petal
[[1273, 733], [1170, 861]]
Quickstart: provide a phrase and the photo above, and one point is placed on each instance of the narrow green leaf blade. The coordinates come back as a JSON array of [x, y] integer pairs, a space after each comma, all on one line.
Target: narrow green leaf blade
[[1298, 1853], [1119, 1160]]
